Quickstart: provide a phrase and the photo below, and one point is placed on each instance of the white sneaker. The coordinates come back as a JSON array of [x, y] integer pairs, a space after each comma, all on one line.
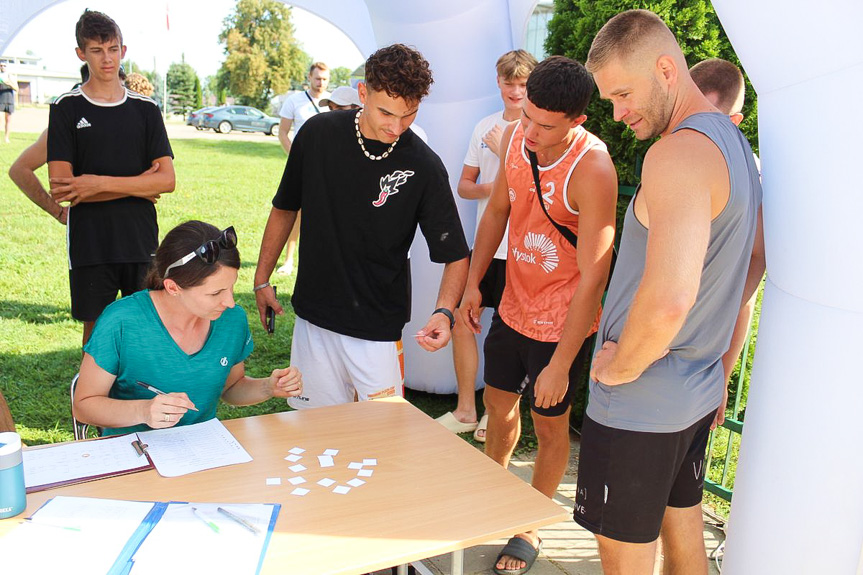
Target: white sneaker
[[286, 269]]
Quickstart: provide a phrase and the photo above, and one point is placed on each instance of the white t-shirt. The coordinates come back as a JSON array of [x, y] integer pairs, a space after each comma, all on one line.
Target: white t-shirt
[[479, 156], [298, 108]]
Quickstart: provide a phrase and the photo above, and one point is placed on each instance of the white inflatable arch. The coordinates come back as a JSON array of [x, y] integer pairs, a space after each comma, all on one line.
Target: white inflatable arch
[[797, 498]]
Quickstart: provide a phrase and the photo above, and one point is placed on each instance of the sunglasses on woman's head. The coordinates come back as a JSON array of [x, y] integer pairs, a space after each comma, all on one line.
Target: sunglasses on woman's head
[[209, 251]]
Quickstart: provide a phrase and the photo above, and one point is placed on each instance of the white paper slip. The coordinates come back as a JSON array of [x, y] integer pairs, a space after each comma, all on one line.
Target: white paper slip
[[296, 451], [299, 491], [370, 461], [326, 482], [293, 458], [189, 448], [355, 465], [296, 480], [331, 452], [326, 460], [341, 489], [297, 468], [356, 482], [274, 481], [365, 472]]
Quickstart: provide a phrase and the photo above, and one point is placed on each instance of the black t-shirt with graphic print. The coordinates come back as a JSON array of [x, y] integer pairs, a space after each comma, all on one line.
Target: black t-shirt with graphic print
[[117, 139], [359, 218]]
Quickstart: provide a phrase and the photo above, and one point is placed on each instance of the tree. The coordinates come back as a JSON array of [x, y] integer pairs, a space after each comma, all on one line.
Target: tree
[[199, 94], [340, 76], [262, 54], [697, 28], [181, 80]]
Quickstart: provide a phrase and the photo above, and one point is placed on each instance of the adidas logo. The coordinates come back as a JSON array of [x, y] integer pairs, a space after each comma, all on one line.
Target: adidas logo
[[83, 123]]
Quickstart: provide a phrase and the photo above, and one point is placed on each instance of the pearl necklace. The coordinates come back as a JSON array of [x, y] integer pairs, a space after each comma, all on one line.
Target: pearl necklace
[[362, 144]]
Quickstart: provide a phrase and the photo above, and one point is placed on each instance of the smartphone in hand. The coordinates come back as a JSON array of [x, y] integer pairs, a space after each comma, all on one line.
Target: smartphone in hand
[[271, 317]]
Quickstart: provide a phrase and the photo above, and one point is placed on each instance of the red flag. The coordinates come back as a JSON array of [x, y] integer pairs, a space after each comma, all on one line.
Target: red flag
[[167, 18]]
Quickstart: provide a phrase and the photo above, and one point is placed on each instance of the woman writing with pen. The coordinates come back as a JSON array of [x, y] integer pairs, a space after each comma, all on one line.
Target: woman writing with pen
[[164, 356]]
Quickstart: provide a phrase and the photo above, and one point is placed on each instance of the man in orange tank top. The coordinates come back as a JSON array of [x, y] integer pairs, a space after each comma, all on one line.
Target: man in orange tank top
[[550, 305]]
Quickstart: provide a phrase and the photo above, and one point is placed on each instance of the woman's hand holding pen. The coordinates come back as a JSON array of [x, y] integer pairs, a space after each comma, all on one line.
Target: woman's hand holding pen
[[287, 382], [167, 410]]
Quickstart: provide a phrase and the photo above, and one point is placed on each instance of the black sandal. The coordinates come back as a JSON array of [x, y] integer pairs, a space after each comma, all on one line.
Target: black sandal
[[521, 550]]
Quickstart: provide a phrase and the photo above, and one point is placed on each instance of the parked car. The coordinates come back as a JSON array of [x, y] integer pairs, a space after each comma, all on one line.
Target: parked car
[[243, 118], [195, 117]]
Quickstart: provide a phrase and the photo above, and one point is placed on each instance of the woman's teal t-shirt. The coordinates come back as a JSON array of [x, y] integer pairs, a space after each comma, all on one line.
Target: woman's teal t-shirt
[[131, 342]]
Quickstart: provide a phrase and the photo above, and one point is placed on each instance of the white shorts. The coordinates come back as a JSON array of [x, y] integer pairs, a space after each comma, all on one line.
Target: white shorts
[[338, 368]]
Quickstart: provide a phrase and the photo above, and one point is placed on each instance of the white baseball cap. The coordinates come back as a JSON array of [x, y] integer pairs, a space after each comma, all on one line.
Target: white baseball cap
[[343, 96]]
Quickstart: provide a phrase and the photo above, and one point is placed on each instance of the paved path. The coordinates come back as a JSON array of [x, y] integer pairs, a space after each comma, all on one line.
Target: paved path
[[568, 549]]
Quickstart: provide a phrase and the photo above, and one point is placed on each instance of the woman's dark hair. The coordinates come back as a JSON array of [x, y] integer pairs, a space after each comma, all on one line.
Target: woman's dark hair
[[181, 241], [559, 84], [400, 71]]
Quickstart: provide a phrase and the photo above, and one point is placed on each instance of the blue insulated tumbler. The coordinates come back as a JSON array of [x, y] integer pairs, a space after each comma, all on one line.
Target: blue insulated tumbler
[[13, 498]]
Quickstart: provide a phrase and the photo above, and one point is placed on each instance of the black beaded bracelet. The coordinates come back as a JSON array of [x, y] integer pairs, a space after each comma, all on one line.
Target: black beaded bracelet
[[447, 313]]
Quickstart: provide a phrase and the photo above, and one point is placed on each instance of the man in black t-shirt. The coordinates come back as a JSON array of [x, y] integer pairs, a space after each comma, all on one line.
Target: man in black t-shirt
[[109, 157], [364, 182]]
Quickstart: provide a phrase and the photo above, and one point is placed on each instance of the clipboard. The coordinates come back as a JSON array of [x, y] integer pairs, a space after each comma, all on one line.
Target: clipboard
[[62, 464]]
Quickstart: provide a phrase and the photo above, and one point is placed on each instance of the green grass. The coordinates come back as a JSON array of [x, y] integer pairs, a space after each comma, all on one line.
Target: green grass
[[218, 181]]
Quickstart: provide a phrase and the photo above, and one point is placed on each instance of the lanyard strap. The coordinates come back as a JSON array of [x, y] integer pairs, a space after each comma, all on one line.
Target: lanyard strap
[[315, 106]]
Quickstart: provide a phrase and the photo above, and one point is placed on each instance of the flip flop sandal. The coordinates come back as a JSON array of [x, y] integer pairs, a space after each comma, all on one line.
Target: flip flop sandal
[[520, 549], [483, 426], [449, 421]]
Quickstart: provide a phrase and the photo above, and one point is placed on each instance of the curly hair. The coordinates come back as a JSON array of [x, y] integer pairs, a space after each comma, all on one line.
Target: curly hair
[[139, 83], [400, 71], [559, 84], [93, 25]]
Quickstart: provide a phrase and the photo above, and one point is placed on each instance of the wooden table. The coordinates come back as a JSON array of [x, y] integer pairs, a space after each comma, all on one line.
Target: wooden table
[[431, 492]]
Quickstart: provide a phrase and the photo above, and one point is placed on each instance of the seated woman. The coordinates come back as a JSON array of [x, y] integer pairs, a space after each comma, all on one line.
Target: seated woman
[[182, 336]]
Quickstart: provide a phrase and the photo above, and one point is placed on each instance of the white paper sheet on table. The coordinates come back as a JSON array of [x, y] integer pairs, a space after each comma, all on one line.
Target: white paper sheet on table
[[44, 546], [181, 450], [186, 544]]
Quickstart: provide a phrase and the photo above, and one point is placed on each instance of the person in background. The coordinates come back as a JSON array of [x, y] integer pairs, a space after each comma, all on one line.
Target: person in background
[[8, 89], [342, 98], [362, 202], [110, 159], [477, 178], [183, 335], [295, 110], [139, 83], [722, 84], [23, 170]]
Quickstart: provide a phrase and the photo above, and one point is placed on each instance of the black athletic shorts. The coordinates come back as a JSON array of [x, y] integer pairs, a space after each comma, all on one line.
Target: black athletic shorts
[[514, 361], [492, 283], [626, 479], [93, 288]]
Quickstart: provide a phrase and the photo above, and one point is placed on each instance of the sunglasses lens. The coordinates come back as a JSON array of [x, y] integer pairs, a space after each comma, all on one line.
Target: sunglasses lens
[[209, 252], [229, 238]]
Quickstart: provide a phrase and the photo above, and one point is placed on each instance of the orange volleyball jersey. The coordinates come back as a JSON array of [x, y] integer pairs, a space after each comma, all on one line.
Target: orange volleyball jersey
[[541, 266]]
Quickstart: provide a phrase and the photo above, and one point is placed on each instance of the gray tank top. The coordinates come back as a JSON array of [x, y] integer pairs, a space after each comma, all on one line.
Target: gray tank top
[[687, 384]]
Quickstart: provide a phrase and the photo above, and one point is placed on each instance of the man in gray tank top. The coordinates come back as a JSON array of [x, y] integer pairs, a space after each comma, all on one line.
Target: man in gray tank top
[[683, 272]]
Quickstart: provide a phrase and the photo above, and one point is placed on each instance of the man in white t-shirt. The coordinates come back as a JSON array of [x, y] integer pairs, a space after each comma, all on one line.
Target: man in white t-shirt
[[480, 168], [295, 110]]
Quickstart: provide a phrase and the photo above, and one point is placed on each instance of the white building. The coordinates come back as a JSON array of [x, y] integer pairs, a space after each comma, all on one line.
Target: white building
[[37, 84]]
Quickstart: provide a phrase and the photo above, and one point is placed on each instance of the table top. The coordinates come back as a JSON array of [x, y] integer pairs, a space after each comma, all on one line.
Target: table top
[[430, 493]]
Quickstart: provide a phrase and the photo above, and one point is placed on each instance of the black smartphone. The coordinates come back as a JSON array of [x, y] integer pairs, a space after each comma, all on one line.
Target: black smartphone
[[271, 317]]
